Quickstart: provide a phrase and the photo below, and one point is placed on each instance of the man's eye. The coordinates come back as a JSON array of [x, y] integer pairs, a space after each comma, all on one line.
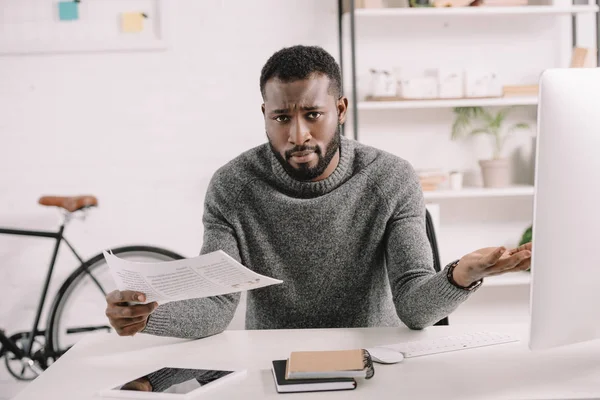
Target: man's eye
[[314, 115], [282, 118]]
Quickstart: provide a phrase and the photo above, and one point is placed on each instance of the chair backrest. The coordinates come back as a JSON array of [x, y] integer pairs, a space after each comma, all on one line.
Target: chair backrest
[[436, 254]]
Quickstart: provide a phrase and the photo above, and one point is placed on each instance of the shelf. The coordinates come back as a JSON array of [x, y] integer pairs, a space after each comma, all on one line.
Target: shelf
[[448, 103], [509, 279], [513, 191], [478, 11]]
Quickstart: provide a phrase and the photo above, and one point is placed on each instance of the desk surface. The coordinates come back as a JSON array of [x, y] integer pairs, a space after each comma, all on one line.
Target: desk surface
[[508, 371]]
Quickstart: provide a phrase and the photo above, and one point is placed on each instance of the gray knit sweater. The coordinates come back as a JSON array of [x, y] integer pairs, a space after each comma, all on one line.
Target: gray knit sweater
[[351, 250]]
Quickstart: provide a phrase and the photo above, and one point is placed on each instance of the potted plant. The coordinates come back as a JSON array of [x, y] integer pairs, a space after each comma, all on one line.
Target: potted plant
[[472, 121], [527, 237]]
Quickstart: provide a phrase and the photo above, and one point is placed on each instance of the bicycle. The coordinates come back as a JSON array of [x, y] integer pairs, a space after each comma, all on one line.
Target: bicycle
[[27, 354]]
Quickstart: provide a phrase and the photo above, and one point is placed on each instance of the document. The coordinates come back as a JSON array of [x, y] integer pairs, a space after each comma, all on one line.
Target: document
[[203, 276]]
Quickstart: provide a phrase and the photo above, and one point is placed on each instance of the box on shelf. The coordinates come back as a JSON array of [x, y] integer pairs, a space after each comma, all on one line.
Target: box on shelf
[[479, 3], [431, 179], [418, 88], [450, 84], [383, 84], [583, 58], [482, 84], [440, 83], [430, 84], [495, 86], [396, 3], [520, 90], [363, 4], [383, 98], [451, 3], [416, 84], [504, 3]]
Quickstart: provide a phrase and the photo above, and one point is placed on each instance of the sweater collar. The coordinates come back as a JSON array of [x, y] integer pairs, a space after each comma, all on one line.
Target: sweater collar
[[339, 175]]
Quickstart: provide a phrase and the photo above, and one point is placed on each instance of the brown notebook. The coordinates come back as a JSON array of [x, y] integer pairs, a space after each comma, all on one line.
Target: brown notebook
[[329, 364]]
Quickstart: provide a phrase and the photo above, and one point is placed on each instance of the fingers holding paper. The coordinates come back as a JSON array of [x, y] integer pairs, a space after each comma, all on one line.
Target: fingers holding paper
[[125, 318], [125, 296]]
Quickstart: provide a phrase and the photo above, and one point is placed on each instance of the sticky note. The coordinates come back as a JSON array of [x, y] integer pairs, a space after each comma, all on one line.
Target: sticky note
[[68, 11], [132, 22]]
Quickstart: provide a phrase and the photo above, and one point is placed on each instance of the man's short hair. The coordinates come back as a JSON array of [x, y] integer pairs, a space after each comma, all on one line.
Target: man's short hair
[[301, 62]]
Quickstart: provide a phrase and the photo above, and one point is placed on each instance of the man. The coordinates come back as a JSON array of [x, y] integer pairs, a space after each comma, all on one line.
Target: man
[[341, 223]]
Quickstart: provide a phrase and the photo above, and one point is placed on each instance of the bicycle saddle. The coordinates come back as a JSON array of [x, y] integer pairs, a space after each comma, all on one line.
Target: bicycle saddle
[[70, 204]]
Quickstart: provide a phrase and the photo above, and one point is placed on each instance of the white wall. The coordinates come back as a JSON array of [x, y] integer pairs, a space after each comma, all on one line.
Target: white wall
[[145, 131], [142, 131]]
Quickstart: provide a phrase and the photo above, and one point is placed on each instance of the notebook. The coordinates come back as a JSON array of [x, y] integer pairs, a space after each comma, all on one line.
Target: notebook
[[307, 385], [355, 363]]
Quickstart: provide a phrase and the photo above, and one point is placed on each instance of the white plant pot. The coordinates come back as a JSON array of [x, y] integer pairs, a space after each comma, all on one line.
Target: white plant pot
[[496, 172], [456, 180]]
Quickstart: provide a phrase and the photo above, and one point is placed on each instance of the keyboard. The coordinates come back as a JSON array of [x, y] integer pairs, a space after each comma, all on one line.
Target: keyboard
[[450, 343]]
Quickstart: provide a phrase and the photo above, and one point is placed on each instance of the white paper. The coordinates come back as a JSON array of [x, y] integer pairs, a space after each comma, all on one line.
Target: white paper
[[203, 276]]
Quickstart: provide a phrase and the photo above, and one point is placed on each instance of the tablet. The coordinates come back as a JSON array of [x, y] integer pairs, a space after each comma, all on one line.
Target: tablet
[[182, 383]]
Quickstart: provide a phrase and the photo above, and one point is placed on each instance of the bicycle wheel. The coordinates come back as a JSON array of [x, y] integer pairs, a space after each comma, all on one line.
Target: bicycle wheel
[[79, 306]]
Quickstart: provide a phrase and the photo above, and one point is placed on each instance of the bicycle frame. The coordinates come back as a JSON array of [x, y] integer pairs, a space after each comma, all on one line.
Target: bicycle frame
[[59, 238]]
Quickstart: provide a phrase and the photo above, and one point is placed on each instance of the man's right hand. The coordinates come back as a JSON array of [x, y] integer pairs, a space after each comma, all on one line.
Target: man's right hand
[[128, 319], [139, 385]]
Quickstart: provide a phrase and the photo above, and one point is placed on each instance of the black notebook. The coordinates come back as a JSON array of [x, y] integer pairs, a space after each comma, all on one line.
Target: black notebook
[[307, 385]]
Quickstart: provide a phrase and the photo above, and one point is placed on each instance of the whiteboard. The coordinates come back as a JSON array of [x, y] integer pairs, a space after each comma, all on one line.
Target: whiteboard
[[34, 26]]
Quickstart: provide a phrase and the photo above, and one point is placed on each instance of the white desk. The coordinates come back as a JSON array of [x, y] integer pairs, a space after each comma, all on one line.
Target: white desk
[[508, 371]]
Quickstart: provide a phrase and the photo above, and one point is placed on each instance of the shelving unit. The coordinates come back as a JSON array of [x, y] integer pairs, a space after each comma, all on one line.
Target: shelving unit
[[446, 12], [449, 103], [513, 191], [516, 42], [474, 11], [520, 278]]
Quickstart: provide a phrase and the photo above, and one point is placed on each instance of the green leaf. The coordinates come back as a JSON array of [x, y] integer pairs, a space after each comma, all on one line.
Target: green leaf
[[479, 131], [520, 125], [465, 116], [461, 123], [527, 236], [469, 112], [503, 113], [488, 118]]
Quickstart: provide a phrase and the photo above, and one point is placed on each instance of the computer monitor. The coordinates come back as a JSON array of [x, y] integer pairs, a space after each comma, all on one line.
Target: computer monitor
[[565, 288]]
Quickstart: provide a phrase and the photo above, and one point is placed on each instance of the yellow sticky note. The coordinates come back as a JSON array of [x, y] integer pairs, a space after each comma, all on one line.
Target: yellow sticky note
[[132, 22]]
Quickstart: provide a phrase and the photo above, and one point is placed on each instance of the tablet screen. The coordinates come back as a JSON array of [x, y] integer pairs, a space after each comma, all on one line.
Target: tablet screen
[[175, 381]]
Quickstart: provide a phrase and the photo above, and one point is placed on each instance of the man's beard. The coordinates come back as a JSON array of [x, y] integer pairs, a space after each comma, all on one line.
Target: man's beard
[[304, 172]]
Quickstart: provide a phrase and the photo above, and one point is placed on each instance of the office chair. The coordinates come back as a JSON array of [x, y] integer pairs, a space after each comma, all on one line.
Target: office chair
[[436, 254]]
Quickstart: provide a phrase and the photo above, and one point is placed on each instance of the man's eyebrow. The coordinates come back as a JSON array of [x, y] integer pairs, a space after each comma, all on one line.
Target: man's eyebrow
[[287, 110], [312, 108]]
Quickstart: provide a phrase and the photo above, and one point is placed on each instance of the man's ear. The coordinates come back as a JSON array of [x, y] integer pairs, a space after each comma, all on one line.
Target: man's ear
[[262, 108], [342, 107]]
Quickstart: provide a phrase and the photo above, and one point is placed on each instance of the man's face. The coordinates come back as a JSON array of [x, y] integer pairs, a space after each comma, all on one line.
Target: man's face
[[302, 121]]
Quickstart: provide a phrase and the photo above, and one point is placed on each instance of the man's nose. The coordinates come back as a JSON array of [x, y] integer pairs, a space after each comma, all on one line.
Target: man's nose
[[299, 133]]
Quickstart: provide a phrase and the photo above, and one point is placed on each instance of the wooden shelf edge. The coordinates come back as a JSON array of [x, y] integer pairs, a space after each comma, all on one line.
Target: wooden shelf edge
[[467, 193]]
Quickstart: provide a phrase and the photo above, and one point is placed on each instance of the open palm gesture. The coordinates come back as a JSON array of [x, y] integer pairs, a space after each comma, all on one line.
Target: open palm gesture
[[491, 261]]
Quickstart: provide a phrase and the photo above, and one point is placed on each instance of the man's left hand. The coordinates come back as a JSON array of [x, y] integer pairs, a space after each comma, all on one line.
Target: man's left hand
[[491, 261]]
